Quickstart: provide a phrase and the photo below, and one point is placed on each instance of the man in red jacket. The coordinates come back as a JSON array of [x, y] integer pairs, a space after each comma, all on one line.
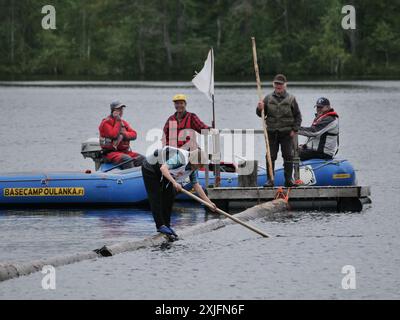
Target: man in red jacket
[[115, 136], [179, 130]]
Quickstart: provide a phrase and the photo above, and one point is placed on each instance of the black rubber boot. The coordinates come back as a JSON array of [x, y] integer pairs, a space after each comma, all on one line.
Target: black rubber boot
[[104, 252], [270, 183], [288, 170]]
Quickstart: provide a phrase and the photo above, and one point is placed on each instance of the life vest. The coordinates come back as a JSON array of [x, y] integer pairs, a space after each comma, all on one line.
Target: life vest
[[107, 142], [176, 132], [328, 142], [279, 114], [327, 114]]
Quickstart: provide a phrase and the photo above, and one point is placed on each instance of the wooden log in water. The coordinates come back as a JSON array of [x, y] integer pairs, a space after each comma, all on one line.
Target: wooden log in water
[[14, 270]]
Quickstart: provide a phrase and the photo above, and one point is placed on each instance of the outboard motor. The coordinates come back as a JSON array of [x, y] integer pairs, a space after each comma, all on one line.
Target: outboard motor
[[91, 149]]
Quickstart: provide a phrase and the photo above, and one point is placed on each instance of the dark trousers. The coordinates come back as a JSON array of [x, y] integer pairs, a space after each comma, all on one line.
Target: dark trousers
[[307, 154], [161, 195], [285, 142]]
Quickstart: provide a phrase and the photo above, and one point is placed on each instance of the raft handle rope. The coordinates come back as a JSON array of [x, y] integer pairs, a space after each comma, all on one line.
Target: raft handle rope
[[301, 165], [118, 165], [280, 194], [333, 161]]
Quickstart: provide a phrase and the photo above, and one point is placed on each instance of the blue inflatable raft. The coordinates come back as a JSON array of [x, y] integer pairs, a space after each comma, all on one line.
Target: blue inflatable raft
[[126, 187], [105, 187], [114, 188], [318, 172]]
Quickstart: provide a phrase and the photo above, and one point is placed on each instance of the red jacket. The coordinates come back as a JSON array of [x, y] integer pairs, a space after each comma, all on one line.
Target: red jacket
[[116, 135], [174, 129]]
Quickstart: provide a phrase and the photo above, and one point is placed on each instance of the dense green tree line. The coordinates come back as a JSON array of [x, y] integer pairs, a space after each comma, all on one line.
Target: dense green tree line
[[172, 37]]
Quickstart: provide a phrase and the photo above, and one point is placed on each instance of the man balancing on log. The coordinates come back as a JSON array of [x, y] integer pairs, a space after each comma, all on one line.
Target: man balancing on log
[[283, 120], [163, 172]]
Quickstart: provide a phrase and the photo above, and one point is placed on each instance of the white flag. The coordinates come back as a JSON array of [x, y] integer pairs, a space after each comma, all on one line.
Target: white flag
[[204, 80]]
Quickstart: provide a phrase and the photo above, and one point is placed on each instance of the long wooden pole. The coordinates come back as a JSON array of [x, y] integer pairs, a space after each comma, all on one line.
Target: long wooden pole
[[296, 159], [212, 82], [263, 117], [226, 214]]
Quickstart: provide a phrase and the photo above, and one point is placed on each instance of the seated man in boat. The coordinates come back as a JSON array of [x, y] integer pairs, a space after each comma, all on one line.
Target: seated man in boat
[[115, 137], [323, 135], [163, 172], [179, 128]]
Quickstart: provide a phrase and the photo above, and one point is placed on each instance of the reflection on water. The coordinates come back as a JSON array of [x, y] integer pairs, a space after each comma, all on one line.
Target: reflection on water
[[43, 233]]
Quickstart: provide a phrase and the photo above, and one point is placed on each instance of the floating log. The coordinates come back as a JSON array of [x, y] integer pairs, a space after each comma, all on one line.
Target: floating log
[[14, 270]]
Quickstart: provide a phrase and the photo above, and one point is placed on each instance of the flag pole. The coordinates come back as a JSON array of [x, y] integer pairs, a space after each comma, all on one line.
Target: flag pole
[[213, 107], [211, 80], [204, 81], [216, 144]]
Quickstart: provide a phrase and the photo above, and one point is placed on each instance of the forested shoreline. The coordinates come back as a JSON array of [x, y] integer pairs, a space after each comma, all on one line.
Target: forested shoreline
[[171, 38]]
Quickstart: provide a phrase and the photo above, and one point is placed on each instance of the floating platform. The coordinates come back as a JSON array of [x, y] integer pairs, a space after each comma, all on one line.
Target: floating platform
[[342, 198]]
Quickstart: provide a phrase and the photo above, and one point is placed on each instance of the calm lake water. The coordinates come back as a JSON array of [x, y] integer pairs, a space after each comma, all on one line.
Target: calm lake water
[[42, 127]]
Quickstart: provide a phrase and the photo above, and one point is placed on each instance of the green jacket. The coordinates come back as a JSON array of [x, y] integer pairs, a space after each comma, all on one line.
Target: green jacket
[[282, 112]]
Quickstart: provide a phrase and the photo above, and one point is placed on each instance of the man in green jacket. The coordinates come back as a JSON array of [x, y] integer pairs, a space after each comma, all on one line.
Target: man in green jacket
[[283, 120]]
